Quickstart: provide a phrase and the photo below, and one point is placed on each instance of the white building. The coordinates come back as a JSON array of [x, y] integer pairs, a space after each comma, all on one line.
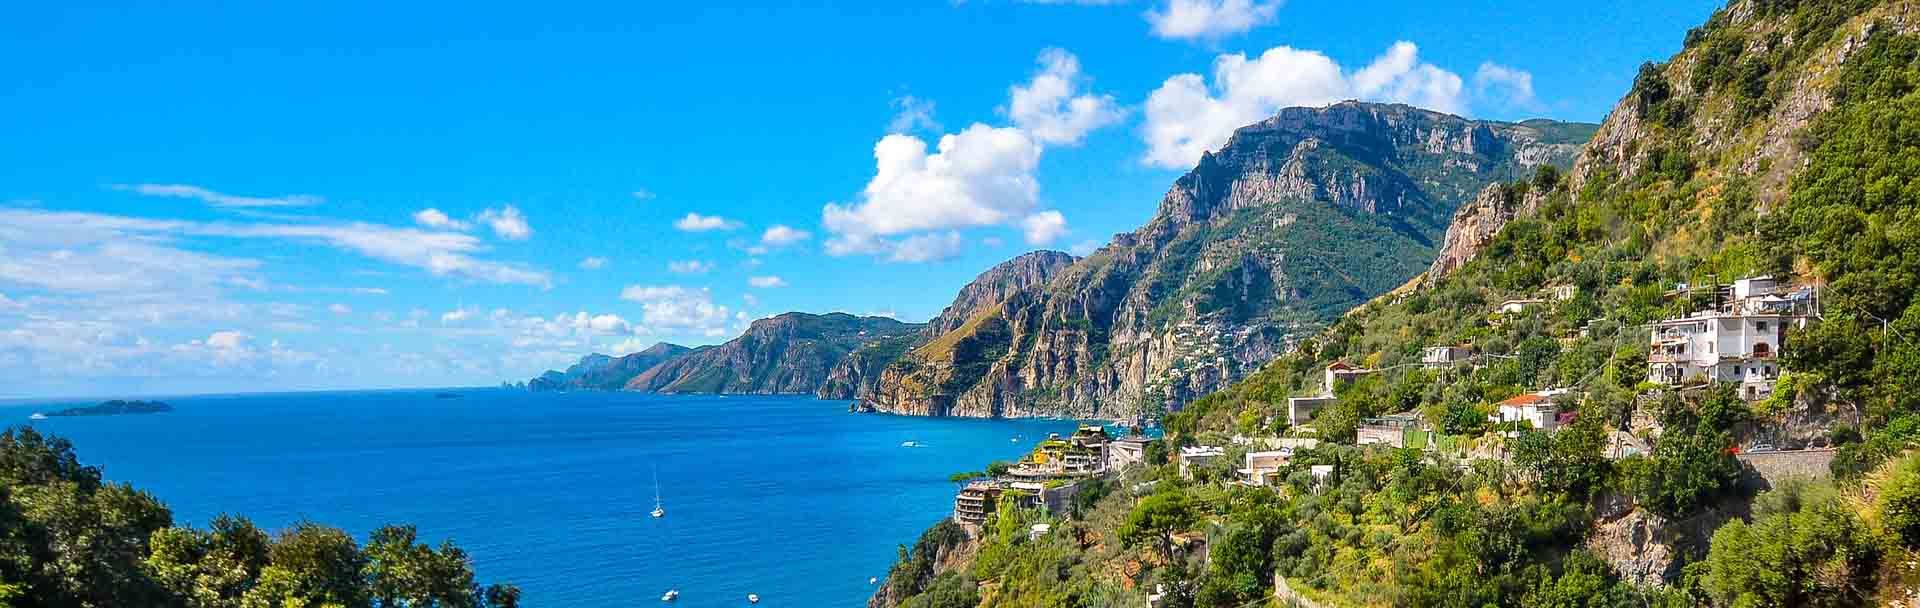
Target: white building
[[1517, 306], [1263, 468], [1719, 347], [1537, 409], [1126, 451], [1198, 456], [1444, 356]]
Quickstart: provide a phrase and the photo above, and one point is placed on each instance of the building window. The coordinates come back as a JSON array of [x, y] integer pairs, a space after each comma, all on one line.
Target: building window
[[1763, 326]]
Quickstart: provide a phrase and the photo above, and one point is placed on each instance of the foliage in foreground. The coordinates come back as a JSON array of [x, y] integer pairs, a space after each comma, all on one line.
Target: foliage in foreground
[[70, 539]]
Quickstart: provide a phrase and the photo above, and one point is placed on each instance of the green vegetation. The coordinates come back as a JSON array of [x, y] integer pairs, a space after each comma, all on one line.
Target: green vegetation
[[1691, 197], [70, 539]]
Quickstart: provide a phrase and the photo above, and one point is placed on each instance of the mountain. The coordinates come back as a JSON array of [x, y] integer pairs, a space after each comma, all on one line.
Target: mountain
[[563, 380], [1295, 220], [597, 372], [791, 353], [856, 375]]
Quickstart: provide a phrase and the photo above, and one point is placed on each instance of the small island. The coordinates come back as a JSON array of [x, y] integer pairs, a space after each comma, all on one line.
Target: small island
[[115, 408]]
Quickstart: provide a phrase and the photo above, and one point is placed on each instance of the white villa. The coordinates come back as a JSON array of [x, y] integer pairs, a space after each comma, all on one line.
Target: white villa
[[1537, 409], [1737, 343]]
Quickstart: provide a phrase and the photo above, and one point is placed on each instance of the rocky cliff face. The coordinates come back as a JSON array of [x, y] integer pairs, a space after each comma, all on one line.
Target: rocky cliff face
[[597, 372], [857, 375], [789, 354], [1295, 220], [1475, 224]]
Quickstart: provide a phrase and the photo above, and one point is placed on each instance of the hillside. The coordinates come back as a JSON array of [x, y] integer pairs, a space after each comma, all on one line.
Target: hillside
[[1295, 220], [787, 354], [857, 375], [598, 372], [1779, 142]]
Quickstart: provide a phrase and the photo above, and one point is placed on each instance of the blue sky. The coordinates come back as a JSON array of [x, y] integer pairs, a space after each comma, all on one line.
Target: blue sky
[[221, 197]]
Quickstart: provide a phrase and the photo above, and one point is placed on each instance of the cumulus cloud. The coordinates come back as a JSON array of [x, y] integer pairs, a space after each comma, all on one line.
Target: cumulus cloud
[[766, 282], [644, 194], [981, 176], [669, 309], [458, 314], [593, 263], [1049, 107], [1043, 227], [340, 309], [694, 222], [780, 235], [506, 222], [978, 177], [1187, 116], [1084, 248], [1505, 88], [910, 114], [219, 199], [1209, 19], [435, 218], [689, 266]]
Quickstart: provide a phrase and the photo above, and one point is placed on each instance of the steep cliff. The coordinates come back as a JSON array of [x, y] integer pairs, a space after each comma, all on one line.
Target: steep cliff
[[791, 353], [597, 372], [1295, 220], [857, 374]]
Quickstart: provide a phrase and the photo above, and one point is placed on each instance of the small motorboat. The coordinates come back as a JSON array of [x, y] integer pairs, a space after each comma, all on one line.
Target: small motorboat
[[671, 595], [873, 580], [753, 599], [37, 416], [909, 444]]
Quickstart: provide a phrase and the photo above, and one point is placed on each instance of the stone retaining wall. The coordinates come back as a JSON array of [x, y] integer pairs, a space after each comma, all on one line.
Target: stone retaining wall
[[1771, 468]]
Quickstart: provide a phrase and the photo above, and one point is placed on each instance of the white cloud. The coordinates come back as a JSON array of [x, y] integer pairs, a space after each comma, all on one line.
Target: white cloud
[[219, 199], [507, 223], [669, 309], [75, 251], [340, 309], [228, 340], [1505, 88], [1186, 116], [1048, 108], [1210, 19], [694, 222], [981, 176], [925, 248], [593, 263], [458, 314], [629, 346], [766, 282], [780, 235], [689, 266], [1043, 227], [1084, 248], [608, 325], [644, 194], [435, 218], [912, 113]]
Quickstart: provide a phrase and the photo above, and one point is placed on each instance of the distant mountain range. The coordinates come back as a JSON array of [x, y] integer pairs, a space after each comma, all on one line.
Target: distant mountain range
[[787, 354]]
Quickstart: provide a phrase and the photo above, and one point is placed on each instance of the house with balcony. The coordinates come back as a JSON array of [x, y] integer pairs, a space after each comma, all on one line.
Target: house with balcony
[[975, 503], [1198, 456], [1263, 468]]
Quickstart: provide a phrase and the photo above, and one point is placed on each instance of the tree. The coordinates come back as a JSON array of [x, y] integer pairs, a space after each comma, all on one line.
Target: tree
[[1157, 518]]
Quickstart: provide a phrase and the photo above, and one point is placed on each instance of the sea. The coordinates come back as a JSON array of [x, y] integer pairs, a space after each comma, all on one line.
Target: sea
[[793, 499]]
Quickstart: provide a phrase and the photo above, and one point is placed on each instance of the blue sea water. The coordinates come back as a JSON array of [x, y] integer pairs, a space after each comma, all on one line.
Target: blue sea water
[[792, 499]]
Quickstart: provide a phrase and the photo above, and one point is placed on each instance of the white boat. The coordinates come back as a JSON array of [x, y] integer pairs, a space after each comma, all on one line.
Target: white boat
[[910, 444], [672, 594], [37, 416], [873, 580], [659, 510], [751, 598]]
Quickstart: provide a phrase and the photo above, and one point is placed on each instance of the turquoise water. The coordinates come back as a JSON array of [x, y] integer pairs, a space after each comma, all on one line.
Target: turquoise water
[[793, 499]]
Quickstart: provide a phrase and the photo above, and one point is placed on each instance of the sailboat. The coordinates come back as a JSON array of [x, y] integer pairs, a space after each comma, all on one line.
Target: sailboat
[[659, 510]]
